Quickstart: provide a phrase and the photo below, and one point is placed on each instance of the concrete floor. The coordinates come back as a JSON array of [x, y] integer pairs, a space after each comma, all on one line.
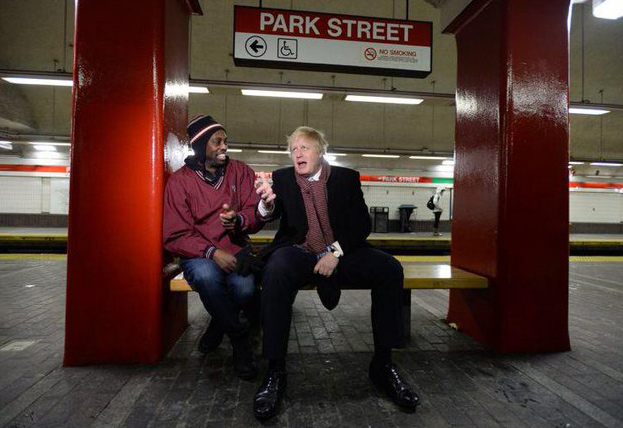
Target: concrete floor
[[462, 384]]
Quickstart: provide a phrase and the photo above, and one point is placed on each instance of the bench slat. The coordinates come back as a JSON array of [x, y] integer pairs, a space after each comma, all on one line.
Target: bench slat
[[417, 276]]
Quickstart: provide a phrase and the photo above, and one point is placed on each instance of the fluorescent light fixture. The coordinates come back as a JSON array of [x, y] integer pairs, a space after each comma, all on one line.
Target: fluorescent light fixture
[[234, 150], [336, 154], [387, 100], [606, 164], [429, 157], [366, 155], [599, 176], [47, 148], [589, 111], [607, 9], [6, 145], [447, 162], [282, 94], [198, 90], [275, 152], [330, 158], [575, 163], [48, 155], [38, 81], [48, 143]]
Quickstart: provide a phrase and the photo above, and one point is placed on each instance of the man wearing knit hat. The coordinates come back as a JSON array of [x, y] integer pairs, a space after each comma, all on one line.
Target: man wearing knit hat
[[210, 207]]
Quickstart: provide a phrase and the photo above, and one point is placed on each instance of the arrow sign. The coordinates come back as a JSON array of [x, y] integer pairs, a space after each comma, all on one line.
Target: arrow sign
[[255, 46]]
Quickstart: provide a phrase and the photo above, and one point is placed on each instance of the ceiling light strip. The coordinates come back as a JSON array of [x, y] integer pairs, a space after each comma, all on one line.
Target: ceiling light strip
[[38, 81], [385, 100], [282, 94]]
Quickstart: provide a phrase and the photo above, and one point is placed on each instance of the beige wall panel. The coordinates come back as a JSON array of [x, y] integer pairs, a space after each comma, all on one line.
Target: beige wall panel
[[31, 34]]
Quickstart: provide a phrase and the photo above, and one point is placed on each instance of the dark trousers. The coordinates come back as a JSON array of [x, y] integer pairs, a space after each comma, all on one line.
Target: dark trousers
[[437, 217], [290, 268]]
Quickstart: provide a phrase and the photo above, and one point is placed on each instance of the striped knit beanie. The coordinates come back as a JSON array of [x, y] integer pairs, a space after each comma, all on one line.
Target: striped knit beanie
[[200, 129]]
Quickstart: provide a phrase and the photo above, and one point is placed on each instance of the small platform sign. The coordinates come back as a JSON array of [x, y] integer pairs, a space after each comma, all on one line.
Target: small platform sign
[[277, 38]]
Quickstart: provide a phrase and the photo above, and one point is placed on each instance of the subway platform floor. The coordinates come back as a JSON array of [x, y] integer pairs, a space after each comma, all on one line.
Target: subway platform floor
[[461, 383]]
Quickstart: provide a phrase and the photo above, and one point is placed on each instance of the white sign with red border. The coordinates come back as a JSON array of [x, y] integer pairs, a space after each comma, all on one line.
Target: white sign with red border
[[327, 42]]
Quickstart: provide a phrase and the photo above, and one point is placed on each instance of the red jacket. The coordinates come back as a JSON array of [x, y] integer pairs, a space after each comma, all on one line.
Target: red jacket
[[192, 227]]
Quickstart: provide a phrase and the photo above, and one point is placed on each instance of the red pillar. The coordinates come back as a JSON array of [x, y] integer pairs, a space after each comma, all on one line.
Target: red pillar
[[511, 219], [130, 70]]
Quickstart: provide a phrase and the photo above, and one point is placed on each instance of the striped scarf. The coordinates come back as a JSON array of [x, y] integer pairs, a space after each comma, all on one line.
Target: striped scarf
[[319, 233]]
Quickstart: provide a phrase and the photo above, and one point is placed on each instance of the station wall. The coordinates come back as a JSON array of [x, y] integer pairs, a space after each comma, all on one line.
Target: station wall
[[32, 194]]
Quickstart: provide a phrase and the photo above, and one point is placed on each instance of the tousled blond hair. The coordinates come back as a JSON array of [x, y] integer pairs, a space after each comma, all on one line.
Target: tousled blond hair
[[313, 134]]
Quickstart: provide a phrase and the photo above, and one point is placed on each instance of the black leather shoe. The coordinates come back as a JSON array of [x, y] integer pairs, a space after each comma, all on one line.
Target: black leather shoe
[[212, 337], [269, 395], [387, 378], [329, 294], [244, 363]]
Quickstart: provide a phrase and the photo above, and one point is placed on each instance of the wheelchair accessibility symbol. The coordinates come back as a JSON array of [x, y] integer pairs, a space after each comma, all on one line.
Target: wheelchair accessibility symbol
[[287, 48]]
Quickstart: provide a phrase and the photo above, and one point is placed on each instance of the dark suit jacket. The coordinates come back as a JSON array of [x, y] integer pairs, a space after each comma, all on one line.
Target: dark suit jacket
[[348, 213]]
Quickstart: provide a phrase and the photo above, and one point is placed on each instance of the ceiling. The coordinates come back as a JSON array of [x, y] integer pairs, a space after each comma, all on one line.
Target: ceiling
[[37, 36]]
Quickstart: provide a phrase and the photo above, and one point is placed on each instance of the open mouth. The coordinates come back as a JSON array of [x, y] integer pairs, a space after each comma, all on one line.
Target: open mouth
[[221, 156], [301, 164]]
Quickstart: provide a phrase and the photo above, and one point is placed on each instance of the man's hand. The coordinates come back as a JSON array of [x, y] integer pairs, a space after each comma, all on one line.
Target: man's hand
[[326, 265], [228, 217], [225, 260], [264, 189]]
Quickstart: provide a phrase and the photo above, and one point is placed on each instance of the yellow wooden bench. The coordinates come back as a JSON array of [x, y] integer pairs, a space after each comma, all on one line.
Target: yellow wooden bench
[[417, 275]]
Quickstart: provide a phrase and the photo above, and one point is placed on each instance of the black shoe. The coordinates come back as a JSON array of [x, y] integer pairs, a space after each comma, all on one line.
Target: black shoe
[[387, 378], [244, 364], [329, 294], [212, 337], [269, 395]]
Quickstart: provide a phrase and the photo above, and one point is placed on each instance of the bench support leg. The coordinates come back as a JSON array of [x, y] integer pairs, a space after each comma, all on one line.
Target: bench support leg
[[406, 313]]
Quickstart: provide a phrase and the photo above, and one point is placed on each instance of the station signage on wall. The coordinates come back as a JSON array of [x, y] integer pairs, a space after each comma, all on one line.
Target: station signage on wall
[[304, 40]]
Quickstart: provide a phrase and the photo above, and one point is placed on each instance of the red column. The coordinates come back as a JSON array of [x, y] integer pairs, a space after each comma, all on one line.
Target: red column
[[511, 219], [130, 70]]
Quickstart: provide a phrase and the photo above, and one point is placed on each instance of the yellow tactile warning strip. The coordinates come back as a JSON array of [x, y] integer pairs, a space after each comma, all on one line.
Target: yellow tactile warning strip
[[33, 256], [4, 236], [594, 259]]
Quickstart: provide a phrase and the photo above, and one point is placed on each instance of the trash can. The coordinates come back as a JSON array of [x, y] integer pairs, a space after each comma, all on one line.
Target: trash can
[[405, 212], [380, 219]]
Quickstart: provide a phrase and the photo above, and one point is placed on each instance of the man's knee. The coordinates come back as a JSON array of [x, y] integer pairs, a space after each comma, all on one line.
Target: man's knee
[[396, 268], [279, 265], [203, 274], [280, 273], [389, 268], [244, 289]]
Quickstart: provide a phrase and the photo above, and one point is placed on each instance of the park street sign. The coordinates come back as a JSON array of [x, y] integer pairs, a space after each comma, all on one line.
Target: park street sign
[[277, 38]]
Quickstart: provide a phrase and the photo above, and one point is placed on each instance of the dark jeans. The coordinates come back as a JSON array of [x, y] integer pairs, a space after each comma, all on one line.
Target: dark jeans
[[222, 294], [437, 217], [290, 268]]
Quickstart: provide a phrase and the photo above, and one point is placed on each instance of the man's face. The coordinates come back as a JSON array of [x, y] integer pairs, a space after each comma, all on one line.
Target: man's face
[[216, 150], [305, 155]]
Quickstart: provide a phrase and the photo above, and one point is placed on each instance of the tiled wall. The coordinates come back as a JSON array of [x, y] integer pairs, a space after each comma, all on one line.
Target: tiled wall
[[392, 196], [32, 195], [21, 195]]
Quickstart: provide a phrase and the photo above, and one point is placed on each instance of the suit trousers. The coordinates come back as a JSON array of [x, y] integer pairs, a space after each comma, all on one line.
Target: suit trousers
[[290, 268]]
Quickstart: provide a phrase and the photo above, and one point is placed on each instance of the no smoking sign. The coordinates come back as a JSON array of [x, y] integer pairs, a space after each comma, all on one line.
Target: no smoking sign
[[370, 54]]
